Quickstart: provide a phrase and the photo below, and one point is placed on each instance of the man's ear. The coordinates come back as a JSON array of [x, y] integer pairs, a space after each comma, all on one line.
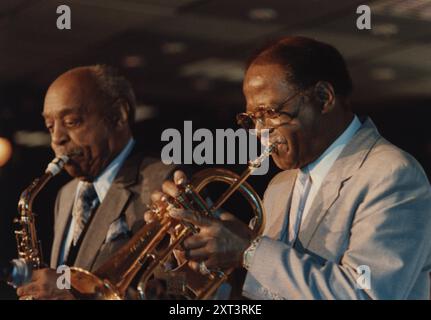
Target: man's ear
[[123, 113], [325, 95]]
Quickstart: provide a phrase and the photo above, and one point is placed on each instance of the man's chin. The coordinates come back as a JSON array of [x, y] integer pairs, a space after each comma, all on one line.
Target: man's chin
[[284, 162], [75, 172], [72, 171]]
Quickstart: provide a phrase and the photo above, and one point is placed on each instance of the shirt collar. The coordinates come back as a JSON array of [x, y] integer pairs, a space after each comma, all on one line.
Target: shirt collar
[[320, 167], [104, 181]]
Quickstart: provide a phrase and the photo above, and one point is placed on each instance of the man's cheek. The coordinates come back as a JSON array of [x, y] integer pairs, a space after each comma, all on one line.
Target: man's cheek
[[80, 139]]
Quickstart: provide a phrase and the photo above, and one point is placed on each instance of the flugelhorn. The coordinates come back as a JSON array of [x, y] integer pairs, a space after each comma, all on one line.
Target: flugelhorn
[[145, 251]]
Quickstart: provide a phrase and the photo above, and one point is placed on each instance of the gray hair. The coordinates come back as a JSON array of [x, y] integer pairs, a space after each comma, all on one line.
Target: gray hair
[[115, 89]]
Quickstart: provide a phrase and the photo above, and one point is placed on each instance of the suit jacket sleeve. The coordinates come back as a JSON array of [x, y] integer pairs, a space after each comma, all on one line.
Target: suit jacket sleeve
[[389, 234]]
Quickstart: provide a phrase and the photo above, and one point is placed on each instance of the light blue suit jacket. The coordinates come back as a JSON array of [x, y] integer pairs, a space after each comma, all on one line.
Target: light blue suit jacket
[[372, 211]]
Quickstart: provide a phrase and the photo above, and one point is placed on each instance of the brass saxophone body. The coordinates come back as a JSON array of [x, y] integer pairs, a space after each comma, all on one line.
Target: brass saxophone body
[[29, 248]]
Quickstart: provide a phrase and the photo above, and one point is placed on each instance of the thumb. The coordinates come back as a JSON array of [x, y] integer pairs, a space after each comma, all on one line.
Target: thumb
[[226, 216], [149, 216], [193, 217]]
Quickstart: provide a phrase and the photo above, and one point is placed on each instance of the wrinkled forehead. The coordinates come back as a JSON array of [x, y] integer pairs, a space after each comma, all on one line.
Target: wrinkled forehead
[[70, 94], [265, 82], [266, 75]]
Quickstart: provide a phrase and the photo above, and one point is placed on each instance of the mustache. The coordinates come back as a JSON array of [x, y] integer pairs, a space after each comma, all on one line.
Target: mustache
[[75, 153], [69, 153], [270, 136]]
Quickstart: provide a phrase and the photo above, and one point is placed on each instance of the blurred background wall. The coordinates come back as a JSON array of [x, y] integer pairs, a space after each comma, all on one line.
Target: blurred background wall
[[185, 59]]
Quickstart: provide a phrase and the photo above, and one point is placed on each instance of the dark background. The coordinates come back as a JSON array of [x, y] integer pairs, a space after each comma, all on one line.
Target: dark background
[[185, 59]]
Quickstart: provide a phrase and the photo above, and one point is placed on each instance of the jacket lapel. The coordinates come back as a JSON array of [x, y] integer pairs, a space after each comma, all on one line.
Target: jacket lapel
[[350, 160], [279, 204], [109, 210], [61, 222]]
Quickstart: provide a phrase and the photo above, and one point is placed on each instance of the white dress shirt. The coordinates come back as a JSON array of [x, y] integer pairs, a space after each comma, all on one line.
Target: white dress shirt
[[320, 167], [101, 184]]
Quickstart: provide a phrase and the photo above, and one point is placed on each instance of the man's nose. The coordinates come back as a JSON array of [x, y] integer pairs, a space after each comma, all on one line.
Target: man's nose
[[59, 135], [261, 124], [262, 133]]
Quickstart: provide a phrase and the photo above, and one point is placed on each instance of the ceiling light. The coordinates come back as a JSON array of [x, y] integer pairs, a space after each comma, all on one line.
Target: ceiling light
[[262, 14], [216, 69], [403, 8], [173, 47], [144, 112], [383, 74], [385, 29], [425, 14], [32, 138], [133, 61]]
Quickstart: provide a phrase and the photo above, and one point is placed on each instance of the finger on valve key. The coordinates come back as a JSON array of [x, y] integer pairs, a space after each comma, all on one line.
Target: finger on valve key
[[156, 202], [180, 177], [171, 187], [156, 196]]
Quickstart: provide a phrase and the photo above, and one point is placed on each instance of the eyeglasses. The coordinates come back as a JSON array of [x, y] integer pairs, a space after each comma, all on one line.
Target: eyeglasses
[[249, 120]]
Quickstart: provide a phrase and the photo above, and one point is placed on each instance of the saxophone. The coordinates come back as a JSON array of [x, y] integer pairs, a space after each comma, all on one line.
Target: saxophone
[[29, 247]]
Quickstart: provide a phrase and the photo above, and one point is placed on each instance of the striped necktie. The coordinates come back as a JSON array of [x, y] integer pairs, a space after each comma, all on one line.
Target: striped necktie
[[86, 202]]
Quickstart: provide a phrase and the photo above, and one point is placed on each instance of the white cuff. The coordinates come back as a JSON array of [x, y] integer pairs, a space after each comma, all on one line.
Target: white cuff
[[248, 254]]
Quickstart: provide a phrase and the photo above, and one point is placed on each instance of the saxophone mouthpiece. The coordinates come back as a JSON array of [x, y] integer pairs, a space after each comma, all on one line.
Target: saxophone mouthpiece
[[56, 165]]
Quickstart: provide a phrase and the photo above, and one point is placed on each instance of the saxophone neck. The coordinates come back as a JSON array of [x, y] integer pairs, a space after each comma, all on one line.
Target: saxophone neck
[[29, 194]]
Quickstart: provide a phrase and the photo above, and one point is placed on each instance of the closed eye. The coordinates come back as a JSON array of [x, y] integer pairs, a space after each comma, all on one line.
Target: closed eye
[[71, 123]]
